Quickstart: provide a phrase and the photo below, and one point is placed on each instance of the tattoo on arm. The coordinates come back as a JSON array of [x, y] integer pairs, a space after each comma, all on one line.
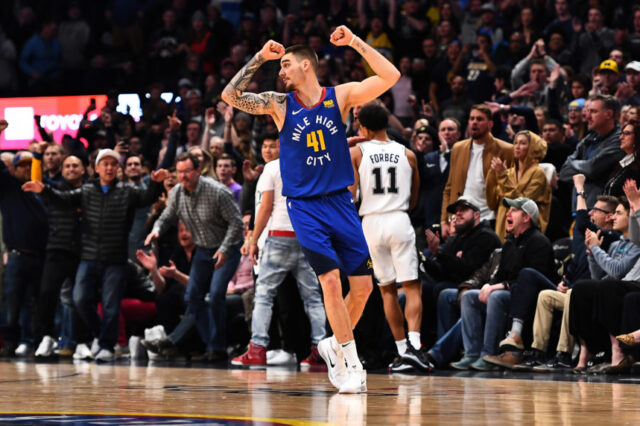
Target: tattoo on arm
[[252, 103], [255, 103], [360, 46]]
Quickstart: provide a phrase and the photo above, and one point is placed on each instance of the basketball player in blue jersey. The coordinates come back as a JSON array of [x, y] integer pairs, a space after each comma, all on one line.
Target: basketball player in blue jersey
[[316, 171]]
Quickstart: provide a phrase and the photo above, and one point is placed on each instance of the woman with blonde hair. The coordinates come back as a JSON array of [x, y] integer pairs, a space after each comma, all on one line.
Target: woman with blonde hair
[[206, 162], [524, 179]]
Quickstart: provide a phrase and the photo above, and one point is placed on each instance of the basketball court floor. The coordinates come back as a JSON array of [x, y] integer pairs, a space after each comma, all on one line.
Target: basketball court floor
[[164, 394]]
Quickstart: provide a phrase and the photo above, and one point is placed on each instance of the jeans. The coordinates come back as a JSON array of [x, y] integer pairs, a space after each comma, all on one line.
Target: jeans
[[21, 285], [280, 256], [112, 277], [524, 294], [58, 266], [203, 278], [448, 310], [448, 347], [479, 340]]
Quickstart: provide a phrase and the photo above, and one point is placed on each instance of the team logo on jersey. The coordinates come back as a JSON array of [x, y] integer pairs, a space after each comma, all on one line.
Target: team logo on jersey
[[329, 103], [369, 264]]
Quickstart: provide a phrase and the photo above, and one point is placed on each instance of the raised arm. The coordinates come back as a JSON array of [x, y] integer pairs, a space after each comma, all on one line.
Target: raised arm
[[271, 103], [356, 93]]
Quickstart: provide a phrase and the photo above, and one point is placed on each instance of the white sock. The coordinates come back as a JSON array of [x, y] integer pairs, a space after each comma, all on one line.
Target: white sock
[[401, 345], [334, 344], [516, 327], [351, 354], [414, 339]]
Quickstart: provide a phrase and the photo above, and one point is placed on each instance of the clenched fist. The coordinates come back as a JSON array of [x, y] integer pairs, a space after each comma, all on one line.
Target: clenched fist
[[342, 36], [272, 50]]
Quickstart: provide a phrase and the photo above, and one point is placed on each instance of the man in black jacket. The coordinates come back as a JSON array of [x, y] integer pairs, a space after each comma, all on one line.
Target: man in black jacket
[[458, 258], [107, 211], [526, 247], [62, 255], [24, 230], [599, 151]]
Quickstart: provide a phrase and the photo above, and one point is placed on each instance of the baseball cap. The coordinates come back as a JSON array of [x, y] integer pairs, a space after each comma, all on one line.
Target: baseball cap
[[22, 157], [608, 65], [185, 82], [193, 92], [633, 66], [577, 103], [465, 201], [525, 204], [107, 153], [488, 7]]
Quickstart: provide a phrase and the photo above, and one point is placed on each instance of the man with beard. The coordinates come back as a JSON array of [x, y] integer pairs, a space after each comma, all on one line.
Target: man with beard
[[470, 163], [457, 259]]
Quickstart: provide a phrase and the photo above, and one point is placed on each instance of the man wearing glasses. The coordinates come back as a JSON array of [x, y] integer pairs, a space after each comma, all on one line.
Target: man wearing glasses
[[212, 216]]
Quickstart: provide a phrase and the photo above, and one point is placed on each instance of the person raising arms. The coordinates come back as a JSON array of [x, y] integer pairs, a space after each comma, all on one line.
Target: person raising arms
[[316, 172]]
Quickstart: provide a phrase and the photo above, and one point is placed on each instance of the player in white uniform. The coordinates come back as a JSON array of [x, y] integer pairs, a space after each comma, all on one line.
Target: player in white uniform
[[387, 175], [282, 254]]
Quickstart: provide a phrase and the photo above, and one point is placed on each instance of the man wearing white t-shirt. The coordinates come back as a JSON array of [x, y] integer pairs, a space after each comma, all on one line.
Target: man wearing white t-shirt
[[470, 163], [282, 254]]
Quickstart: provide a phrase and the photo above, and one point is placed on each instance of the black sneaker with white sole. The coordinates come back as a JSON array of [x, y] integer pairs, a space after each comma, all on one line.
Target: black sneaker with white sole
[[400, 365], [561, 362], [418, 359]]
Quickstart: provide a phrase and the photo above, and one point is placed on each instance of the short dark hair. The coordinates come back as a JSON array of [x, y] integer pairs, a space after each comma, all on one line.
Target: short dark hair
[[625, 202], [189, 156], [538, 61], [194, 122], [301, 52], [270, 134], [553, 122], [373, 117], [483, 109], [608, 102], [226, 156], [610, 200]]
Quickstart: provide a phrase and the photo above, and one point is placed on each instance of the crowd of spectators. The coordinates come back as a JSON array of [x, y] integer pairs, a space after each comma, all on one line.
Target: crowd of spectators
[[524, 117]]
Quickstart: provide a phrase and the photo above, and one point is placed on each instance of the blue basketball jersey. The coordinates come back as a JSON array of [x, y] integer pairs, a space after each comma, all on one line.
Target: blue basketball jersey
[[314, 154]]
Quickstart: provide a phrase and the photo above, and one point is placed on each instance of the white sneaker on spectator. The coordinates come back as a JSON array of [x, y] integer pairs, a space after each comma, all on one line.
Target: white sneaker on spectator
[[24, 350], [95, 347], [335, 362], [105, 355], [136, 350], [82, 352], [281, 357], [356, 381], [46, 347]]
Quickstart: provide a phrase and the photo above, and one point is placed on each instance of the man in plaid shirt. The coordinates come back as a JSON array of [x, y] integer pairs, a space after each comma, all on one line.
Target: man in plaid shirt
[[211, 214]]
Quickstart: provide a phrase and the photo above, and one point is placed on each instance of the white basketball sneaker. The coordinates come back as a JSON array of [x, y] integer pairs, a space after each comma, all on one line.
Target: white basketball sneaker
[[335, 362], [356, 381], [46, 347]]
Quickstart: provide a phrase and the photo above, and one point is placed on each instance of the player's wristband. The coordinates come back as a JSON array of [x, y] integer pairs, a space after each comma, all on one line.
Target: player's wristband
[[352, 38]]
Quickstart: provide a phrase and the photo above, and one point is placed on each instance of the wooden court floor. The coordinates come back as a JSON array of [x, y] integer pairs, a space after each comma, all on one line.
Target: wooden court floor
[[65, 393]]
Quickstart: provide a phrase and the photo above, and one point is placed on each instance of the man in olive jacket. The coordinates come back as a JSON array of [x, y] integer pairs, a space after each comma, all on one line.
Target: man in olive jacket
[[108, 207]]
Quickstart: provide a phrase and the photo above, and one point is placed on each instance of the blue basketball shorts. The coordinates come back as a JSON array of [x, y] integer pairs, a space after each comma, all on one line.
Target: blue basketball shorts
[[330, 233]]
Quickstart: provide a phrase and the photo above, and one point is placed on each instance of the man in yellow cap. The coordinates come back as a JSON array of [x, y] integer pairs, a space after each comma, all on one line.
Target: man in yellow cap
[[608, 75]]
